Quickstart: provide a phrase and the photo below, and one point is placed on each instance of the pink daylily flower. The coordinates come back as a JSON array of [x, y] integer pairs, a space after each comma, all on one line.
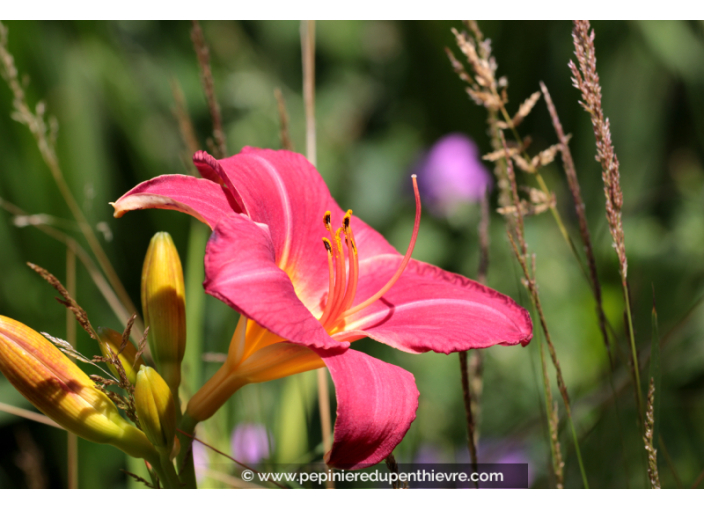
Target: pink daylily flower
[[302, 301]]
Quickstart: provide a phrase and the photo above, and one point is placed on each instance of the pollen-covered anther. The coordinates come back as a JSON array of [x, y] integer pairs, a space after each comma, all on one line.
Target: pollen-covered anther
[[346, 220]]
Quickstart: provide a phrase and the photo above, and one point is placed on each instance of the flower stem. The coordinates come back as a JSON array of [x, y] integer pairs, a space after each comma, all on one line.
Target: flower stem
[[184, 459], [471, 424], [167, 474]]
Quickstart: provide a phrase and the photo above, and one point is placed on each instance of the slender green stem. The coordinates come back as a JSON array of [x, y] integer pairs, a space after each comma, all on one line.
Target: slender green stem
[[556, 460], [167, 474], [184, 459], [634, 352], [578, 451]]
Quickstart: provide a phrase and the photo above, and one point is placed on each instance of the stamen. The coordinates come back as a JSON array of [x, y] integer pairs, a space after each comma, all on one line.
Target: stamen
[[404, 262], [331, 282], [340, 278], [327, 221], [354, 265]]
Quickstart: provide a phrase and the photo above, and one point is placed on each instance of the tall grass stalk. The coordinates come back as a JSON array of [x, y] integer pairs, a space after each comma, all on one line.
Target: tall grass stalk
[[219, 144], [515, 226], [586, 80], [575, 191], [308, 61], [488, 91]]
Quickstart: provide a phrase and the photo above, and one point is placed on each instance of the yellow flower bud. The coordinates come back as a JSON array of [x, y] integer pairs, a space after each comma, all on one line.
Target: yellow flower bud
[[155, 409], [164, 304], [113, 339], [62, 391]]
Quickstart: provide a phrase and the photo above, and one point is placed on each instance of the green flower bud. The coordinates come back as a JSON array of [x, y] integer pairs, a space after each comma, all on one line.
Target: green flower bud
[[164, 304], [112, 339], [155, 409], [63, 392]]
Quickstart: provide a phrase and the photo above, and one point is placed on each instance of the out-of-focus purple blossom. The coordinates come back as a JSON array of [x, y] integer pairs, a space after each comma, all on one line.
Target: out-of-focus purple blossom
[[429, 454], [451, 174], [250, 443], [200, 460]]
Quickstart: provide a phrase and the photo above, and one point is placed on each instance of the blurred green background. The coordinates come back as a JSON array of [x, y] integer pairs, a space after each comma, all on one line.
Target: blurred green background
[[385, 93]]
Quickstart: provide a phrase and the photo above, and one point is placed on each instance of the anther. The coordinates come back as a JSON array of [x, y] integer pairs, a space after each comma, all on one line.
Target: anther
[[346, 220], [327, 221]]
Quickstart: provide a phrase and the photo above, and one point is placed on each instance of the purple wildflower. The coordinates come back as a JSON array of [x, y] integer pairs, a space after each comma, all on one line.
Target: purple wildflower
[[250, 443], [452, 173]]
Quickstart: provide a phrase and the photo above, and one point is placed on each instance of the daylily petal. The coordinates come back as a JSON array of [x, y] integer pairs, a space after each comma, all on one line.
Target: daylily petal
[[429, 309], [241, 270], [202, 199], [283, 190], [376, 403]]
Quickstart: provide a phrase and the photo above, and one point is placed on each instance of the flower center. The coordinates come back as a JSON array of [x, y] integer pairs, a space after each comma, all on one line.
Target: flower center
[[341, 289]]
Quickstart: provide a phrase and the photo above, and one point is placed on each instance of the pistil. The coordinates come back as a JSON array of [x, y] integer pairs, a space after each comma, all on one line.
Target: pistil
[[404, 262]]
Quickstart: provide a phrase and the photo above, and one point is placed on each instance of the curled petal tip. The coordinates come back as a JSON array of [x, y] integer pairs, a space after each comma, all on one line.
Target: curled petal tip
[[118, 213]]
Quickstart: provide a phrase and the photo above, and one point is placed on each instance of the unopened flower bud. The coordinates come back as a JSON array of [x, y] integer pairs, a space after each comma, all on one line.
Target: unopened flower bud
[[62, 391], [155, 409], [164, 304], [109, 338]]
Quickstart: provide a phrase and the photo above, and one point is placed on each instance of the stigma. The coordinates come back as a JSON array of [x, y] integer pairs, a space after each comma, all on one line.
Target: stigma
[[343, 269]]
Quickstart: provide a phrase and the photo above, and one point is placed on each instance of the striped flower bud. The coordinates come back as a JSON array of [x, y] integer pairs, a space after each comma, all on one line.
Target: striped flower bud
[[109, 338], [62, 391], [155, 409], [164, 304]]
